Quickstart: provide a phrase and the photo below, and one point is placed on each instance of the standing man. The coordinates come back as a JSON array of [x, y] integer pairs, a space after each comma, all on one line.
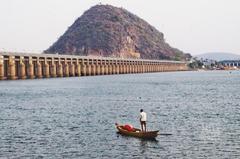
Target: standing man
[[143, 119]]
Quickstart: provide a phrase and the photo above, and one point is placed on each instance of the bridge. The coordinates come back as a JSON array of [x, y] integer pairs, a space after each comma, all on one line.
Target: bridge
[[231, 63], [30, 66]]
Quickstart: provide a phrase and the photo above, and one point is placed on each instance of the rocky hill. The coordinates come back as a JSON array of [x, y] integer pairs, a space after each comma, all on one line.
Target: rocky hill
[[108, 31]]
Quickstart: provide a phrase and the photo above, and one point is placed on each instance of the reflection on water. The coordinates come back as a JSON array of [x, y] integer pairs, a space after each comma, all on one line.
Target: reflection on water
[[75, 117]]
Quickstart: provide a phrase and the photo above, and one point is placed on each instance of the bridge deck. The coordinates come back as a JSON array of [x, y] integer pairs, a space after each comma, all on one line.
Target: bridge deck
[[25, 65]]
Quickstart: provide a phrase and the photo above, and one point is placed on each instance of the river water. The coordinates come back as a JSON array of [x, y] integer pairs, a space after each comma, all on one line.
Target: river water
[[74, 117]]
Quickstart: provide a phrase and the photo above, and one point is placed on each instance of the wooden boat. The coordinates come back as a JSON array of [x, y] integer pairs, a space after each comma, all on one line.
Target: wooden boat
[[137, 132]]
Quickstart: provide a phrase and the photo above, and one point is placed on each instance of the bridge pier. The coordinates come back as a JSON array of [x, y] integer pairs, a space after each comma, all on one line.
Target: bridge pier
[[154, 67], [130, 67], [120, 67], [114, 70], [71, 69], [146, 67], [98, 67], [159, 67], [53, 70], [65, 68], [84, 68], [78, 69], [127, 67], [106, 68], [124, 67], [169, 67], [110, 67], [59, 68], [137, 67], [39, 68], [89, 68], [93, 68], [2, 74], [141, 67], [46, 69], [11, 68], [22, 72], [30, 68], [102, 67], [134, 66], [117, 66]]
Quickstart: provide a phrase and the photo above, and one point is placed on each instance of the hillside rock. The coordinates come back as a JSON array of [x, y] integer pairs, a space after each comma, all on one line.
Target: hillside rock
[[108, 31]]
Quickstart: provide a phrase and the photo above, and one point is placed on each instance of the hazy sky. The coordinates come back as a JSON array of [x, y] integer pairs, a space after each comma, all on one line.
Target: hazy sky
[[194, 26]]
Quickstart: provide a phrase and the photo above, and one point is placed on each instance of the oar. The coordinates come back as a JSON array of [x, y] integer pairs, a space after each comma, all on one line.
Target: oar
[[164, 134]]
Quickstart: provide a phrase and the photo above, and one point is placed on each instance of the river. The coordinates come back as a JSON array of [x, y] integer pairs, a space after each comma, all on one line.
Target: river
[[74, 117]]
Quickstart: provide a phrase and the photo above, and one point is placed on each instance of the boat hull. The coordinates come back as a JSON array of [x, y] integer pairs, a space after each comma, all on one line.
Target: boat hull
[[138, 133]]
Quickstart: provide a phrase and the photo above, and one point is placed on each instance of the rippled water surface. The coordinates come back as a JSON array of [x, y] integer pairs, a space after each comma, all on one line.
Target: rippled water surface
[[74, 117]]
